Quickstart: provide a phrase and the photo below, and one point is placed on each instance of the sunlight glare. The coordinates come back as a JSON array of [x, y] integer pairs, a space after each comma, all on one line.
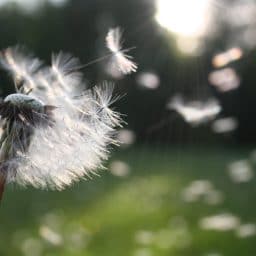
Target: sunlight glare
[[183, 17]]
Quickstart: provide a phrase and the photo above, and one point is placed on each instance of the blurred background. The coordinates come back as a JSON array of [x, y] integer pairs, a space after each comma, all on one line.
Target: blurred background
[[182, 182]]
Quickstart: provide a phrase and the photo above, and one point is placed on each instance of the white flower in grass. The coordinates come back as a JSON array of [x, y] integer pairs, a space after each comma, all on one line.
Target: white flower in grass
[[240, 171], [222, 222], [246, 230], [54, 132], [119, 60]]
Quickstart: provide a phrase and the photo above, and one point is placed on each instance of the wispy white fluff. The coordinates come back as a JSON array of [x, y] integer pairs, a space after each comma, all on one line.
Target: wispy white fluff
[[82, 127], [21, 65], [195, 112], [119, 60], [225, 125]]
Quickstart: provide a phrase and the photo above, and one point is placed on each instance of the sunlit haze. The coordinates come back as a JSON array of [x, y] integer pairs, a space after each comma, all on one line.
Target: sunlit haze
[[188, 19], [184, 17]]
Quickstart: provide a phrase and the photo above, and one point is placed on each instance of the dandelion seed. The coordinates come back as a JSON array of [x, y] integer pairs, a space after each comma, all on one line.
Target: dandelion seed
[[54, 132], [126, 137], [224, 80], [119, 168], [119, 60], [225, 125], [113, 72], [148, 80], [197, 112], [223, 59]]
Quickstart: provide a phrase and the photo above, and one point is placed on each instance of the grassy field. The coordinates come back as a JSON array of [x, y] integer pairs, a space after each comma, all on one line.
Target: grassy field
[[156, 210]]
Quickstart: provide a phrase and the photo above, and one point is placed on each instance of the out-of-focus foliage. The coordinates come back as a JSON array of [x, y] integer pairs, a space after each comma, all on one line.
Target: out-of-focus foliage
[[170, 202]]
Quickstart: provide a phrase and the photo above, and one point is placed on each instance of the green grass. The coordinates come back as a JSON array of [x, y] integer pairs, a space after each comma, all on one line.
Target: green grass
[[142, 214]]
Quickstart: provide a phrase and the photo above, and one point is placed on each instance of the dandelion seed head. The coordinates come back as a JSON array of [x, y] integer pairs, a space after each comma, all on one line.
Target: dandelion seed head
[[61, 131], [19, 100], [21, 65]]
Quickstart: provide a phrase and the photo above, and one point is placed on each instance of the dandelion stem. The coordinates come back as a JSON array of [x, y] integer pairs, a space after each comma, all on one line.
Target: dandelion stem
[[101, 59], [2, 186]]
